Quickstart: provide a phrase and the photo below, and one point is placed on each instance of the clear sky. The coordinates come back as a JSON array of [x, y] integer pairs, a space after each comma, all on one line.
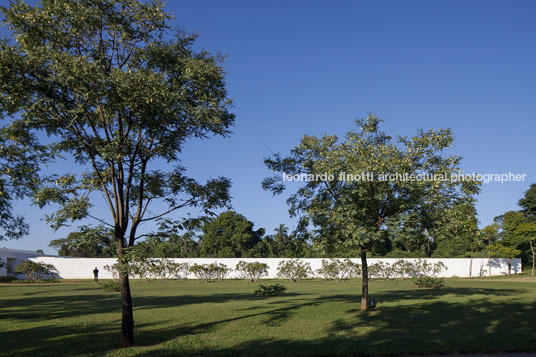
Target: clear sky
[[312, 67]]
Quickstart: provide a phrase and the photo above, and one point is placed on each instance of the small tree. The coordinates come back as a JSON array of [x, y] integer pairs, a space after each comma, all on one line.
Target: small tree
[[36, 271], [210, 272], [252, 271], [294, 269], [336, 269]]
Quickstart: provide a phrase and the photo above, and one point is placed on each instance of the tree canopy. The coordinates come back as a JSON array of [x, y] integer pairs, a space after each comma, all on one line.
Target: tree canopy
[[229, 235], [118, 92]]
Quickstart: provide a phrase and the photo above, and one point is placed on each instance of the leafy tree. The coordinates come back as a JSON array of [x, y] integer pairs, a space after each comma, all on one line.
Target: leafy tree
[[528, 205], [528, 202], [87, 242], [491, 234], [519, 229], [119, 93], [229, 235], [294, 269], [281, 237], [252, 270], [362, 209]]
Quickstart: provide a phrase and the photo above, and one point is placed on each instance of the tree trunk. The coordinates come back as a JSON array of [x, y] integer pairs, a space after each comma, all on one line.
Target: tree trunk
[[364, 282], [532, 250], [471, 264], [127, 320], [489, 261], [509, 266]]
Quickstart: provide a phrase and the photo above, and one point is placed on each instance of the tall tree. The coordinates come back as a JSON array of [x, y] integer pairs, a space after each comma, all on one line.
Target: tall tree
[[119, 92], [363, 208], [229, 235], [528, 206], [519, 229]]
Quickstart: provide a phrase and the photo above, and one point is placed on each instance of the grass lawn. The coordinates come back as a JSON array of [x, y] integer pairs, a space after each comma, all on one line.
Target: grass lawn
[[313, 318]]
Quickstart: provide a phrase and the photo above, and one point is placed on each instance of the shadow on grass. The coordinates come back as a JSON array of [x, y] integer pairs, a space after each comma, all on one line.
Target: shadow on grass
[[428, 323]]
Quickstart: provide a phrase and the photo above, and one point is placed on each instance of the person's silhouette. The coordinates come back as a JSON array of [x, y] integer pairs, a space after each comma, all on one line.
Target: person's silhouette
[[96, 274]]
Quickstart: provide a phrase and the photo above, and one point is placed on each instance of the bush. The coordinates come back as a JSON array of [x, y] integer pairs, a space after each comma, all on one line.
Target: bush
[[252, 271], [381, 270], [7, 279], [405, 269], [336, 269], [270, 290], [294, 269], [210, 272], [430, 282], [36, 271], [163, 269]]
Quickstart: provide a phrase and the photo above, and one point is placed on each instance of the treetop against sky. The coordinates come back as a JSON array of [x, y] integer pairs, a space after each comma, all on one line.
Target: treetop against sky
[[312, 67]]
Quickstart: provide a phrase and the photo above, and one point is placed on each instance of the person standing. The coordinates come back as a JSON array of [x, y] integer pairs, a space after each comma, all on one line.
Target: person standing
[[96, 275]]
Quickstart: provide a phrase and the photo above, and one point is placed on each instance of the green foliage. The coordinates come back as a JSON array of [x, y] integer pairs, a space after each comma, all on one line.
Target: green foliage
[[210, 272], [117, 93], [500, 251], [337, 269], [114, 96], [270, 290], [528, 202], [87, 242], [252, 270], [294, 269], [229, 235], [405, 269], [7, 279], [36, 271], [430, 282]]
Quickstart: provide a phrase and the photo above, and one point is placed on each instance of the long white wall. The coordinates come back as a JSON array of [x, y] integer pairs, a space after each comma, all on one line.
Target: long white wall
[[82, 268]]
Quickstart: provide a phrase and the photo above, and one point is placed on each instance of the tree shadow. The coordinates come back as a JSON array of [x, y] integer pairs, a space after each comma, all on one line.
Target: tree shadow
[[424, 327], [415, 321]]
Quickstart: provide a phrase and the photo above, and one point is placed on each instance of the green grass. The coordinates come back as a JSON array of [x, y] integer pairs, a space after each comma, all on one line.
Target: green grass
[[312, 318]]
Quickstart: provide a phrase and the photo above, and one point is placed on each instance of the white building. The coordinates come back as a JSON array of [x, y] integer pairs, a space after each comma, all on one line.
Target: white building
[[12, 257]]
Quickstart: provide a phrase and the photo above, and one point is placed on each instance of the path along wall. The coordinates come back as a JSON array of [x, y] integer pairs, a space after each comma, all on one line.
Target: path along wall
[[82, 268]]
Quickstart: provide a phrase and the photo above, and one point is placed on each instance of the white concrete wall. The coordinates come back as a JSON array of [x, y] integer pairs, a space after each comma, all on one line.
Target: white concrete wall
[[82, 268]]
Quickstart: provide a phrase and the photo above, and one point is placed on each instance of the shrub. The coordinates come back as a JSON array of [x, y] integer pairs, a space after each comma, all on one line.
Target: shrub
[[252, 271], [221, 270], [163, 269], [381, 270], [336, 269], [270, 290], [430, 282], [36, 271], [210, 272], [294, 269]]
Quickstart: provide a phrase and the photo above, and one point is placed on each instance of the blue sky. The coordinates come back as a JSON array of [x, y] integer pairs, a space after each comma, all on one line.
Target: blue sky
[[312, 67]]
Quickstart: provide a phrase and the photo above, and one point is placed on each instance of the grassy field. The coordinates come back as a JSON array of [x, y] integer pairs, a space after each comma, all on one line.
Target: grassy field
[[313, 318]]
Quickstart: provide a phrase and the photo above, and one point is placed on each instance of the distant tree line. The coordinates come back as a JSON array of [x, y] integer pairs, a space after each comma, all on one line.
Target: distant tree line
[[232, 235]]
